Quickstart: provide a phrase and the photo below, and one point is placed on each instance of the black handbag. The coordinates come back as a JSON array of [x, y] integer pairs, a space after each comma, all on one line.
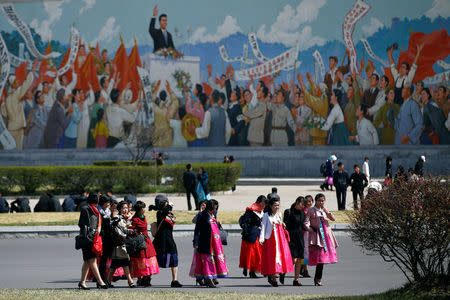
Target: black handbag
[[135, 243], [223, 235], [85, 238]]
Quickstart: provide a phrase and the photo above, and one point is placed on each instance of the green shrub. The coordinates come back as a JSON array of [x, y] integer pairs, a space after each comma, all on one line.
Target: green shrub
[[111, 163], [122, 178]]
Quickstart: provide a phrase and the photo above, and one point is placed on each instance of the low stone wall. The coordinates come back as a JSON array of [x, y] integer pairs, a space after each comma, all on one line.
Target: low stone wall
[[257, 162]]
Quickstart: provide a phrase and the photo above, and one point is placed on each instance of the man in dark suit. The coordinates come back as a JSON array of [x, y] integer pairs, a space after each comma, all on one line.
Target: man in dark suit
[[190, 184], [341, 181], [58, 120], [161, 37]]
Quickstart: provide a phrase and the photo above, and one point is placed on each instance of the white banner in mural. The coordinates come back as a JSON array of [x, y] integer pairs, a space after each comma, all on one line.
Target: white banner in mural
[[438, 78], [74, 43], [443, 64], [14, 19], [224, 55], [271, 66], [371, 53], [319, 66], [358, 11], [6, 138], [147, 116]]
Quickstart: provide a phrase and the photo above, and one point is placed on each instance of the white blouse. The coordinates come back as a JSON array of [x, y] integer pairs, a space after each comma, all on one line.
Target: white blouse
[[336, 116]]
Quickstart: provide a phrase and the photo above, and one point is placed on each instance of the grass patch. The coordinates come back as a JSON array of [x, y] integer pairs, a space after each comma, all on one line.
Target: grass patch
[[71, 218], [69, 294]]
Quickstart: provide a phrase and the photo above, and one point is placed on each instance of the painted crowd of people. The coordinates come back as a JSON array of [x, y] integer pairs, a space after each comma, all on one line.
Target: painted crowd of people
[[344, 109]]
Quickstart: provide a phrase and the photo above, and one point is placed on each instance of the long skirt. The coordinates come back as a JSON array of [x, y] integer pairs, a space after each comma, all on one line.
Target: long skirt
[[306, 250], [250, 257], [144, 266], [340, 134], [213, 265], [276, 256], [318, 255]]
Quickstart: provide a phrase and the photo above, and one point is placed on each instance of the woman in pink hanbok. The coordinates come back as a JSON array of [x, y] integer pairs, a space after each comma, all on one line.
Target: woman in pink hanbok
[[321, 241], [209, 259], [274, 238]]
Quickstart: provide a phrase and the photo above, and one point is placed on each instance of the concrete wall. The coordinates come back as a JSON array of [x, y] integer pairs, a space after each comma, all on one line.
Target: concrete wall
[[257, 162]]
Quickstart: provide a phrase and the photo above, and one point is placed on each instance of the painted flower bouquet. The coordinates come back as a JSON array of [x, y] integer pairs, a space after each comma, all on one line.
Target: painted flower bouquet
[[183, 80], [316, 122], [170, 53]]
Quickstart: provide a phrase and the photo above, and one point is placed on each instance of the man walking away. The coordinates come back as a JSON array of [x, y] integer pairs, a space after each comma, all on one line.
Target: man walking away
[[358, 181], [190, 184], [340, 181]]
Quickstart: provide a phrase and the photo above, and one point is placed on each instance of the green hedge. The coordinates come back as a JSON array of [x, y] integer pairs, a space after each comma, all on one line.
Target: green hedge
[[221, 176], [118, 176], [115, 163]]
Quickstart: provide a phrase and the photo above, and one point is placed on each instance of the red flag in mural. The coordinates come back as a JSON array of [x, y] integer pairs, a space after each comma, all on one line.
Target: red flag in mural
[[436, 47], [47, 70], [21, 72], [63, 63], [207, 89], [134, 61], [88, 74], [123, 66]]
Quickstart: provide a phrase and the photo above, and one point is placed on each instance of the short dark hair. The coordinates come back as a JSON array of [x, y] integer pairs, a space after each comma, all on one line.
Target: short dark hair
[[114, 95], [340, 163], [366, 158], [162, 16], [188, 166], [93, 198], [103, 199], [104, 50], [261, 198], [181, 112], [338, 94], [333, 58], [139, 206], [376, 76], [318, 196], [363, 108], [121, 204], [309, 197], [199, 88], [443, 88], [102, 81], [60, 94], [37, 95], [211, 203], [215, 96], [97, 95], [163, 95], [100, 113], [427, 90], [274, 190], [406, 64], [355, 166], [385, 78], [265, 91]]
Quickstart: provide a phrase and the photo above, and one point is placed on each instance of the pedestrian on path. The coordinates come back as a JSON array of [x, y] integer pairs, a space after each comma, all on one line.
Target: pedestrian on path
[[341, 181], [307, 204], [358, 181], [328, 173], [294, 219], [366, 168], [250, 222], [322, 243], [190, 184], [274, 238]]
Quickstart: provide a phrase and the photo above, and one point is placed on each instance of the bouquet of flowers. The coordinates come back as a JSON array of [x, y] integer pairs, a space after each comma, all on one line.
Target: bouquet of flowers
[[316, 122], [169, 53], [183, 80]]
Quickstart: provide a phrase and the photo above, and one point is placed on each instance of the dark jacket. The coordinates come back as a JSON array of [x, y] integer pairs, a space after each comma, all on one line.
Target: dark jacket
[[202, 233], [69, 204], [294, 219], [418, 169], [189, 180], [4, 206], [48, 203], [164, 242], [341, 179], [158, 38], [233, 113], [87, 218], [328, 168], [20, 205], [358, 182], [251, 226], [57, 123]]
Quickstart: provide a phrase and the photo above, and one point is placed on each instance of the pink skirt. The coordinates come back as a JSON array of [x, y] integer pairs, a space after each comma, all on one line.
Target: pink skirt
[[100, 141], [269, 263], [318, 255], [144, 266], [209, 266]]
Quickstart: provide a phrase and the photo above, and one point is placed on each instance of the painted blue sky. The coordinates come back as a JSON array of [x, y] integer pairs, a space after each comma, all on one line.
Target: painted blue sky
[[311, 22]]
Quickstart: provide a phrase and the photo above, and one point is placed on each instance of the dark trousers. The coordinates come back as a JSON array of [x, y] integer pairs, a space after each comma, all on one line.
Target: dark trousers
[[102, 267], [355, 198], [319, 272], [341, 195], [112, 141], [188, 196]]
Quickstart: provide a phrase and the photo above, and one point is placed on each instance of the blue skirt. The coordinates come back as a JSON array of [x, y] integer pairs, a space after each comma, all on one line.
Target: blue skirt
[[167, 260], [340, 134]]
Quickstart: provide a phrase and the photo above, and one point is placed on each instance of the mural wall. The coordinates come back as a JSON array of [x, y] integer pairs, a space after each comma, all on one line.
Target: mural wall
[[92, 74]]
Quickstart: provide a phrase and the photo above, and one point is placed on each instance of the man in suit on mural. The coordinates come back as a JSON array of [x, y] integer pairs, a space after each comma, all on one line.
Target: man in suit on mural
[[161, 37]]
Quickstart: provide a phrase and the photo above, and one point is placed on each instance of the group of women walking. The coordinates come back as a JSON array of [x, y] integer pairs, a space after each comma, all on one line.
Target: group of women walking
[[271, 245], [274, 245]]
